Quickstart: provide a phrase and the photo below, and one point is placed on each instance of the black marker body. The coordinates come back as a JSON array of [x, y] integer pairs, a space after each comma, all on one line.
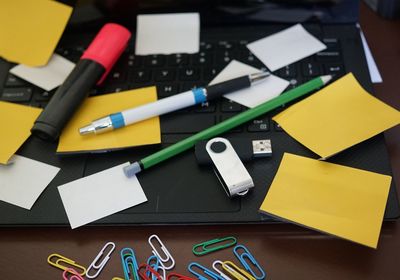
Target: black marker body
[[67, 99]]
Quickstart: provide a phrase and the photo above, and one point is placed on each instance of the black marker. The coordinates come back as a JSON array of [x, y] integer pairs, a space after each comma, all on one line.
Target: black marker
[[92, 68]]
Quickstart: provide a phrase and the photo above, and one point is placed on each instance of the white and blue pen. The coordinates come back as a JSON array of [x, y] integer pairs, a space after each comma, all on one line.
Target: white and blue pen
[[170, 104]]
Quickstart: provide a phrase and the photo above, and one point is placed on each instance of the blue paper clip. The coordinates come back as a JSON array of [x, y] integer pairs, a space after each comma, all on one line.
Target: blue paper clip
[[155, 263], [205, 270], [242, 258], [129, 264], [99, 267]]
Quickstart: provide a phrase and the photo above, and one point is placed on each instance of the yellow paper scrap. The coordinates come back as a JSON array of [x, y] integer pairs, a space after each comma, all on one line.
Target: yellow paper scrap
[[141, 133], [339, 200], [337, 117], [17, 123], [30, 30]]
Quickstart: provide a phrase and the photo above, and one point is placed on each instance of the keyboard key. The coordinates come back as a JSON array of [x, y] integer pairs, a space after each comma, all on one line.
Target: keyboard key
[[13, 81], [311, 69], [230, 106], [259, 125], [141, 76], [154, 60], [186, 123], [277, 127], [223, 58], [334, 68], [17, 94], [178, 60], [165, 90], [331, 43], [326, 56], [164, 75], [205, 107], [202, 59], [210, 73], [43, 96], [134, 61], [225, 45], [206, 46], [288, 71], [189, 74], [191, 85]]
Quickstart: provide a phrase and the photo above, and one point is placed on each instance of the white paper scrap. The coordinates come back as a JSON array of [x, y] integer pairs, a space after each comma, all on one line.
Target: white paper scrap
[[23, 180], [47, 77], [374, 73], [99, 195], [285, 47], [256, 94], [167, 33]]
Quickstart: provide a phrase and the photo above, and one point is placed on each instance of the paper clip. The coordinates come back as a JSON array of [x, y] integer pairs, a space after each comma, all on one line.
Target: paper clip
[[223, 275], [236, 272], [150, 270], [74, 275], [155, 263], [129, 264], [167, 258], [61, 259], [213, 245], [99, 267], [242, 258], [205, 270], [178, 276], [117, 278]]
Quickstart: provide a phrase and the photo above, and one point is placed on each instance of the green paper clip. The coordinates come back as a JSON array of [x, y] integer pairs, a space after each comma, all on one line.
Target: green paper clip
[[209, 246]]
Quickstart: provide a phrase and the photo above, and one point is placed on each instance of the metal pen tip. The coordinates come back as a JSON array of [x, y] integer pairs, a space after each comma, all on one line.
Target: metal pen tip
[[256, 77], [89, 129]]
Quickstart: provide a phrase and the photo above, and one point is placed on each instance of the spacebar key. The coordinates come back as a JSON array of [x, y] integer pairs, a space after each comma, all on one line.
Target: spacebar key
[[181, 123]]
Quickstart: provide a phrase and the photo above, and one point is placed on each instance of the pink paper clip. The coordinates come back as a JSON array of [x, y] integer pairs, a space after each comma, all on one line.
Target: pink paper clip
[[74, 275]]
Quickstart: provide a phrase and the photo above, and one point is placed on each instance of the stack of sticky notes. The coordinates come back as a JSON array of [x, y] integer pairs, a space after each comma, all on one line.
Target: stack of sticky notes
[[30, 30], [331, 198], [337, 117], [342, 201], [18, 121]]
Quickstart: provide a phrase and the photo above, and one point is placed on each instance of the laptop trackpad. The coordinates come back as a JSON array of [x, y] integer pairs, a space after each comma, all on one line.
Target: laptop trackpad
[[179, 185]]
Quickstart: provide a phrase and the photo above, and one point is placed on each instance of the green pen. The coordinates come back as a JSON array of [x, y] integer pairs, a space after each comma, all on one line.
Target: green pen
[[226, 125]]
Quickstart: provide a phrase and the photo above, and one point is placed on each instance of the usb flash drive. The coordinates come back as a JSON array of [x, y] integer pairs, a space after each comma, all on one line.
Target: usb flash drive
[[245, 148]]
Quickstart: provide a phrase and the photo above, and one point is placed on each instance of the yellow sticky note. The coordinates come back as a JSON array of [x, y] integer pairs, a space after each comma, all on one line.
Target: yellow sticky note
[[141, 133], [15, 128], [30, 30], [339, 200], [337, 117]]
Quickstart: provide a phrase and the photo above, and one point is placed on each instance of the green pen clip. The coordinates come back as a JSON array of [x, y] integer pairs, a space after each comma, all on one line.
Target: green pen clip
[[209, 246]]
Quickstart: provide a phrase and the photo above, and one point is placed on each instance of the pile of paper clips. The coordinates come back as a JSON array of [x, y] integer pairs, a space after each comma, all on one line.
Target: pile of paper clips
[[160, 264]]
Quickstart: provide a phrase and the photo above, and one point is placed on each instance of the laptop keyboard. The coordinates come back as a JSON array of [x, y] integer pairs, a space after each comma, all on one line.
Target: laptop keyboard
[[180, 72]]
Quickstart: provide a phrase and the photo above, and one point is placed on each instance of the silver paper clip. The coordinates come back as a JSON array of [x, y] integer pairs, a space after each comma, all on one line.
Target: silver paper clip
[[215, 266], [205, 270], [167, 258], [95, 265], [129, 264], [247, 255]]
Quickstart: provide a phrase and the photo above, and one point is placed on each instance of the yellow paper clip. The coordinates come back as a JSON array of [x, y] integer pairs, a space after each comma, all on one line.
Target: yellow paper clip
[[117, 278], [97, 265], [61, 259], [236, 272]]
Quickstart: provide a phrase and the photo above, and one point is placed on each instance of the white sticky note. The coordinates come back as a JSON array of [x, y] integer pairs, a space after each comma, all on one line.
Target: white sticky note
[[23, 180], [285, 47], [47, 77], [99, 195], [167, 33], [256, 94]]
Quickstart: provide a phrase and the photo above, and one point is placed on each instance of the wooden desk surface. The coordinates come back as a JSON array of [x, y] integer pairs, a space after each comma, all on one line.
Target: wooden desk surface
[[285, 251]]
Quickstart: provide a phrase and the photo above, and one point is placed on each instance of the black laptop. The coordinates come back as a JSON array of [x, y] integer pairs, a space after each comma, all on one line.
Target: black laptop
[[179, 190]]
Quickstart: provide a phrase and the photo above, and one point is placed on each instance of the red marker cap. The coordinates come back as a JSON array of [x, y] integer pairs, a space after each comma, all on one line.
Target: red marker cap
[[107, 46]]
